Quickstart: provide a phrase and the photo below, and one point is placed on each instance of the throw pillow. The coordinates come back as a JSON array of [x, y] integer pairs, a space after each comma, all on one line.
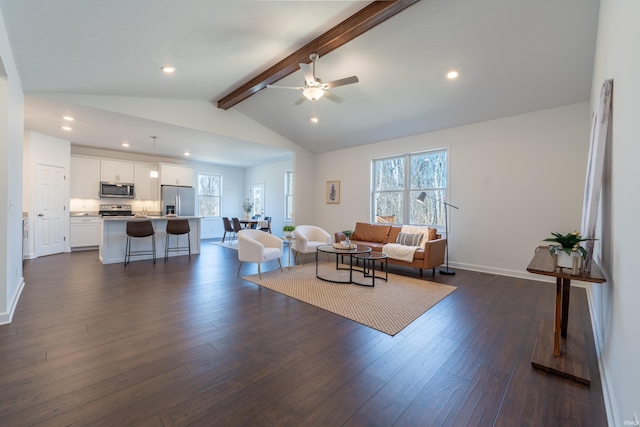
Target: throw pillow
[[409, 239]]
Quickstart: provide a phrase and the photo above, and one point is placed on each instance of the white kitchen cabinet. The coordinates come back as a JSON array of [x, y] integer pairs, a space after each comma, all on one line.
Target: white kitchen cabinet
[[84, 232], [84, 178], [176, 175], [146, 188], [115, 171]]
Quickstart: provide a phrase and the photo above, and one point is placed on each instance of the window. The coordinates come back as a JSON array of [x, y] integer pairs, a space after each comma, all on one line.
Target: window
[[398, 181], [257, 196], [288, 195], [209, 195]]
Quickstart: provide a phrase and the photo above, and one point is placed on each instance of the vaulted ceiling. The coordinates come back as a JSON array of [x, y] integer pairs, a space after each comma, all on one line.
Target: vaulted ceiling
[[513, 57]]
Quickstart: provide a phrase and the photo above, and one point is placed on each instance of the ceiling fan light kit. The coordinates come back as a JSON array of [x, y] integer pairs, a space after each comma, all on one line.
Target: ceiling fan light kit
[[314, 88], [313, 93]]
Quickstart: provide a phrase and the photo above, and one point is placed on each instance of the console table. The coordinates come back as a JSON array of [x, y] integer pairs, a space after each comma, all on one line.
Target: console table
[[549, 354]]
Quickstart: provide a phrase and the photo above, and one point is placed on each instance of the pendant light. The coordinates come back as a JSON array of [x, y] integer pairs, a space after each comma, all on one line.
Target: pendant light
[[154, 172]]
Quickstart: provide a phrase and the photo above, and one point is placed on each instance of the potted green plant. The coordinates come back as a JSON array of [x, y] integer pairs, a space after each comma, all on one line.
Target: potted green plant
[[288, 229], [566, 247], [247, 207], [347, 234]]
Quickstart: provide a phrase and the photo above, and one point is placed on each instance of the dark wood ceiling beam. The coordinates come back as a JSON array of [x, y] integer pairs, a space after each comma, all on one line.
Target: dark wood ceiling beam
[[344, 32]]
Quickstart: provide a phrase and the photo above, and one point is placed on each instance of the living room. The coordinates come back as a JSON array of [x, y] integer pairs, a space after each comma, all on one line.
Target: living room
[[515, 179]]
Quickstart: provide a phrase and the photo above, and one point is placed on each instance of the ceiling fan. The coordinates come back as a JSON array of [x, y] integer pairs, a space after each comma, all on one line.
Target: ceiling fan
[[314, 88]]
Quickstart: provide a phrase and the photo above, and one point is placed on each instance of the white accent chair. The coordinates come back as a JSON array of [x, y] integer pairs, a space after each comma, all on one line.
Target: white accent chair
[[308, 238], [258, 246]]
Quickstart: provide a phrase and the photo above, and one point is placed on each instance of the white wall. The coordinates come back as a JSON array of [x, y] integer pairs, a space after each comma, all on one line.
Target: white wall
[[272, 176], [615, 304], [11, 130], [509, 177]]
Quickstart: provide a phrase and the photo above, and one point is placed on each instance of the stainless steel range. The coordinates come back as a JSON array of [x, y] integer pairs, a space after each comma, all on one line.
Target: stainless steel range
[[115, 210]]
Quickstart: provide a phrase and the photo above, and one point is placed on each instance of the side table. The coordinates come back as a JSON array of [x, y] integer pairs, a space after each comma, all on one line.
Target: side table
[[288, 239], [548, 354]]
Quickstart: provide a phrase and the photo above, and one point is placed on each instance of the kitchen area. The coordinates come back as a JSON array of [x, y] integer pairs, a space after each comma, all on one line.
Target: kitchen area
[[76, 222], [106, 194]]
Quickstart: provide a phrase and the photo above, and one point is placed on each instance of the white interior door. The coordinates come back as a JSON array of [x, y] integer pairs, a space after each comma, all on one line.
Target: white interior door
[[51, 210]]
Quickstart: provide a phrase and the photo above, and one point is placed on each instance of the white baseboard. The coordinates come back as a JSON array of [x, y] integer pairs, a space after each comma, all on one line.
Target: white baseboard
[[6, 317], [502, 272], [607, 388]]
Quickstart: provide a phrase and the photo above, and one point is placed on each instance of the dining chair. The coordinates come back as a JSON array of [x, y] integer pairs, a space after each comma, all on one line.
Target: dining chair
[[236, 225], [228, 228], [268, 227]]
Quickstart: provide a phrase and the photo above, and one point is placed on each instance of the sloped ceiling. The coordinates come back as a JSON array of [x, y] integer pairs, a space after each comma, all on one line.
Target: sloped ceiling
[[513, 57]]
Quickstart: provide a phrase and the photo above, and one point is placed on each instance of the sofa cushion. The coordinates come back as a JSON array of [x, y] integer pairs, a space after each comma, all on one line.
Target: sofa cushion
[[432, 233], [371, 232], [406, 239], [393, 233]]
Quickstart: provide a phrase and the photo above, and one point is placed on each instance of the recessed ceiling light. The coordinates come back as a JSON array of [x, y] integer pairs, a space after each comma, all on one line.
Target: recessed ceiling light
[[168, 69], [186, 153], [68, 118], [125, 144], [453, 74], [66, 128]]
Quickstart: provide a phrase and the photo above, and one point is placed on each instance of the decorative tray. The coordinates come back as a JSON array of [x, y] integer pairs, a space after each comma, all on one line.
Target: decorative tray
[[344, 247]]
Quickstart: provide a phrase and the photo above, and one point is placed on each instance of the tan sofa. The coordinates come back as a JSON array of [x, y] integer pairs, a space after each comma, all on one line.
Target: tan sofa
[[377, 235]]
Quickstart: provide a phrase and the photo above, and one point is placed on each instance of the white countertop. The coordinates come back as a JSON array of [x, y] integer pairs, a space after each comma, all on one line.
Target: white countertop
[[149, 217]]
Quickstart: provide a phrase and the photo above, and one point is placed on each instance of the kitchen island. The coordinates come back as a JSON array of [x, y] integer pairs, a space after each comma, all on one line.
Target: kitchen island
[[113, 238]]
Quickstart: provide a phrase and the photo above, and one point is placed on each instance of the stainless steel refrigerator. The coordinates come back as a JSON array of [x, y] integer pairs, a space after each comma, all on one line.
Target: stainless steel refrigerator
[[178, 200]]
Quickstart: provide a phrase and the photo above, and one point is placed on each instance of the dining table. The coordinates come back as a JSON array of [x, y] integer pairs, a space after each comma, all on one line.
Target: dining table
[[249, 223]]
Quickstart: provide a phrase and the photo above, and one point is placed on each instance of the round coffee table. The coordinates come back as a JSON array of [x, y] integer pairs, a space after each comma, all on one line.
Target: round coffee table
[[369, 267], [338, 252]]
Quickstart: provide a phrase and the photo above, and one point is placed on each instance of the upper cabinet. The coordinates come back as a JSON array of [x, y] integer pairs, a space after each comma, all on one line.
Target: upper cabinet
[[176, 175], [84, 178], [146, 188], [115, 171]]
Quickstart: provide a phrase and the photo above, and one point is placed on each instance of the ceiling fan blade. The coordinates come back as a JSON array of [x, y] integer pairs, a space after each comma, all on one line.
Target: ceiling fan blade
[[300, 100], [332, 97], [341, 82], [285, 87], [308, 74]]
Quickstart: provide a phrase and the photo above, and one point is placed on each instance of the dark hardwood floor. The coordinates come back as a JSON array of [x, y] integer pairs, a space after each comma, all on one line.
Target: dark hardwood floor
[[189, 343]]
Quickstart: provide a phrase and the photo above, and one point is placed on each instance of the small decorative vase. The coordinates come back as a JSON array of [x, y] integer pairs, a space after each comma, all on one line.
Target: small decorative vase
[[288, 233], [246, 215], [347, 242]]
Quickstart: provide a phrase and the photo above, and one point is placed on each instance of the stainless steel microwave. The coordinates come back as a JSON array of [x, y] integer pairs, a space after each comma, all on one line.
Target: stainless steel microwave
[[117, 190]]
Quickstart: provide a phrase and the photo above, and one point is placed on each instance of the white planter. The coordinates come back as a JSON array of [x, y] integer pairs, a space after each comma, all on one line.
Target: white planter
[[573, 261]]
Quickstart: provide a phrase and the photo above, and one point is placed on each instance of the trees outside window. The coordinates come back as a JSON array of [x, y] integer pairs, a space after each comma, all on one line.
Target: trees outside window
[[398, 181], [209, 195]]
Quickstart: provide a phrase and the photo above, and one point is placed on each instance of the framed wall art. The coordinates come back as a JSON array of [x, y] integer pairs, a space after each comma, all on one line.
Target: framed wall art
[[333, 192]]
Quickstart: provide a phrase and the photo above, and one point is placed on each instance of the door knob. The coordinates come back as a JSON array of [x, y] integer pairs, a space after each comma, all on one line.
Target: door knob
[[40, 214]]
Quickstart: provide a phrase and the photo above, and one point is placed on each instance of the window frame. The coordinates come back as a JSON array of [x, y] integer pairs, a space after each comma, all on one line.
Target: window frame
[[407, 193], [219, 196], [288, 195]]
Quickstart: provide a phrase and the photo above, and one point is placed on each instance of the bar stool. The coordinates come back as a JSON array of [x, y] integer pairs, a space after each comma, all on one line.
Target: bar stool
[[139, 229], [177, 227]]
